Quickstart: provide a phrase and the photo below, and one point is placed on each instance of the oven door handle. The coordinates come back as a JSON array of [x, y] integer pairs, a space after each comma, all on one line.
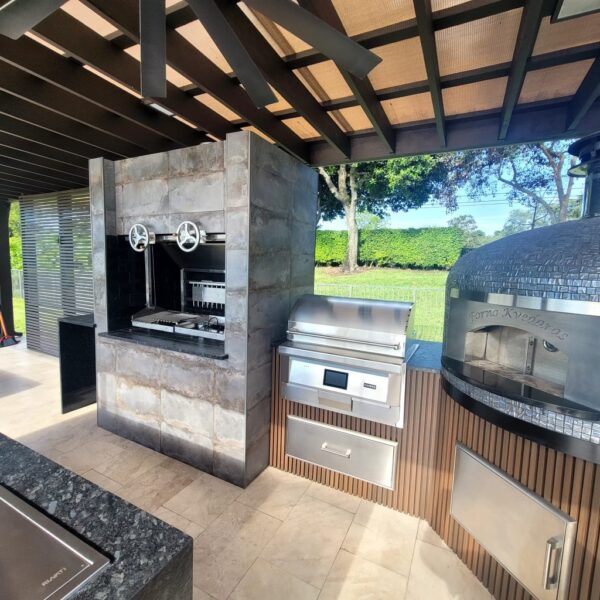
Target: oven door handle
[[343, 339], [343, 453]]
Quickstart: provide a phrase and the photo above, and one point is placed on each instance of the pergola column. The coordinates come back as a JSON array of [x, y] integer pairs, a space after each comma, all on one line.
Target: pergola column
[[6, 297]]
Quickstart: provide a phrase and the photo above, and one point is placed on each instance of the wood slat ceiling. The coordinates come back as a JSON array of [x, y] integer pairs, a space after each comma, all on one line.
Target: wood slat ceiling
[[454, 74]]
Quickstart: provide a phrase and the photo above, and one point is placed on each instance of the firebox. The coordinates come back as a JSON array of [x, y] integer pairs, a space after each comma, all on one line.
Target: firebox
[[184, 281]]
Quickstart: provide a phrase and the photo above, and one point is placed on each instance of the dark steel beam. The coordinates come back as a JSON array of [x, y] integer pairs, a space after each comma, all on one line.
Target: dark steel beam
[[29, 177], [52, 121], [61, 156], [22, 187], [236, 54], [184, 57], [153, 51], [40, 172], [81, 42], [283, 80], [15, 152], [361, 88], [425, 27], [34, 90], [531, 124], [48, 138], [71, 77], [528, 30], [587, 93], [19, 16], [316, 32]]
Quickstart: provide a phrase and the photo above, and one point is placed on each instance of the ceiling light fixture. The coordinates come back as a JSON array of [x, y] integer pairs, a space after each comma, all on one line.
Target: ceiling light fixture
[[568, 9], [160, 108]]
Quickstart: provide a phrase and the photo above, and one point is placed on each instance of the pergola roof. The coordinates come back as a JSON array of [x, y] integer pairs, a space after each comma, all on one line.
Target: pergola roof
[[454, 74]]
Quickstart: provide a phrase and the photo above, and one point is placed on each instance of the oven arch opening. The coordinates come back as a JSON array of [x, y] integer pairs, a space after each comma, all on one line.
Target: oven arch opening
[[518, 355]]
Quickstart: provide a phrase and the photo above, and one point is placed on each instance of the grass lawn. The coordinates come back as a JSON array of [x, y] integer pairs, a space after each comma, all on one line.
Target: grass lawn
[[424, 288], [380, 276], [19, 314]]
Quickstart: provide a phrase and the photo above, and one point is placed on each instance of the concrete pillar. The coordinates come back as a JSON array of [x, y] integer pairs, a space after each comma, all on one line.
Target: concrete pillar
[[6, 297]]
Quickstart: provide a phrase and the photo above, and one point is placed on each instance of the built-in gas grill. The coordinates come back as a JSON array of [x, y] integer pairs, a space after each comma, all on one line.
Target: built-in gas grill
[[348, 356]]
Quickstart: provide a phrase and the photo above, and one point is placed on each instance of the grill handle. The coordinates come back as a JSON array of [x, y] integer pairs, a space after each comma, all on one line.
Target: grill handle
[[343, 339]]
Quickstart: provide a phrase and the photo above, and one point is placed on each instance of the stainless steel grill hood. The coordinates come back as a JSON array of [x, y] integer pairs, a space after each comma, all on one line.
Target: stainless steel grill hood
[[371, 326], [347, 355]]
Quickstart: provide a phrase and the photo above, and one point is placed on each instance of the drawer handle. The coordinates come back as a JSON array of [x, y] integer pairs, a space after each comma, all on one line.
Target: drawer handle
[[551, 580], [344, 453]]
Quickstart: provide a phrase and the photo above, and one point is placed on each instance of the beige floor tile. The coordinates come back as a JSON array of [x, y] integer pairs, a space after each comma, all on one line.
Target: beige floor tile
[[335, 497], [158, 485], [383, 536], [307, 543], [200, 595], [438, 573], [274, 492], [225, 551], [355, 578], [204, 499], [134, 461], [93, 454], [264, 581], [181, 523], [103, 481], [427, 534]]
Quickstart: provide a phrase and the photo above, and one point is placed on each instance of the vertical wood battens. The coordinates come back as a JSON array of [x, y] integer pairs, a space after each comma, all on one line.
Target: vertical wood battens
[[424, 474]]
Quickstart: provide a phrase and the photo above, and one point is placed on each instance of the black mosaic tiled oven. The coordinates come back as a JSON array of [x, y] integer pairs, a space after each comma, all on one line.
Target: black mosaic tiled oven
[[522, 328]]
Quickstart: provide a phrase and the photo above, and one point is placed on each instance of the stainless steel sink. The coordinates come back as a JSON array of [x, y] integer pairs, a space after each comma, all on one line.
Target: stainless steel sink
[[39, 559]]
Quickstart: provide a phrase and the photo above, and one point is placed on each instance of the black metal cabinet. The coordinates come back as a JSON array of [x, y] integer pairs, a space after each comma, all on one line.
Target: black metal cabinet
[[77, 361]]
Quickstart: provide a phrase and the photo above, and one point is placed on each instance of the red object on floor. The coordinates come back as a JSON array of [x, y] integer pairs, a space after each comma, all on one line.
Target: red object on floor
[[5, 338]]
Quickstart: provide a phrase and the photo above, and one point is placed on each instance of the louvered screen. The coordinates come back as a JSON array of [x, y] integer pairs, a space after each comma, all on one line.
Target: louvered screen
[[57, 263]]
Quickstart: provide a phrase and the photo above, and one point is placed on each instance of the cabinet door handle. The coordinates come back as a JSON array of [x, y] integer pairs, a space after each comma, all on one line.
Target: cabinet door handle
[[343, 453], [553, 546]]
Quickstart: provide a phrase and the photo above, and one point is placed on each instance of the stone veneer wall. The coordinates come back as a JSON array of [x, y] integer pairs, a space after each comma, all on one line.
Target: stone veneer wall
[[214, 414]]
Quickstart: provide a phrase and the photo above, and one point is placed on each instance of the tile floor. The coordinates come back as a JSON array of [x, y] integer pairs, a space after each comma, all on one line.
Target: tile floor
[[282, 537]]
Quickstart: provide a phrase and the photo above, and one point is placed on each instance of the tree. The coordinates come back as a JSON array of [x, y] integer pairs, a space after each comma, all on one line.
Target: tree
[[14, 241], [474, 237], [535, 175], [379, 187], [367, 221]]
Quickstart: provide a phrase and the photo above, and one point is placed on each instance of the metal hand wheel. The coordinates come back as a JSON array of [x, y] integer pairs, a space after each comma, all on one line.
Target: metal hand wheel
[[188, 236], [139, 237]]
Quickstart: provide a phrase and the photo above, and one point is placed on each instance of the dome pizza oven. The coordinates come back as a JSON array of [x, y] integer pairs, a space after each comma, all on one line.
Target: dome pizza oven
[[523, 313]]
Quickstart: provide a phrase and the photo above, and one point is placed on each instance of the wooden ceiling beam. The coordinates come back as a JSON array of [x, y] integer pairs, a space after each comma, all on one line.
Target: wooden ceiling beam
[[33, 90], [50, 139], [283, 80], [428, 45], [188, 60], [22, 184], [36, 59], [52, 121], [35, 161], [52, 175], [66, 32], [361, 88], [24, 172], [587, 93], [528, 30]]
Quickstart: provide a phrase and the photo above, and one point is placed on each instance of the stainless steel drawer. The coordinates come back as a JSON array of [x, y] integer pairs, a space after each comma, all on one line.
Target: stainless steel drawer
[[362, 456]]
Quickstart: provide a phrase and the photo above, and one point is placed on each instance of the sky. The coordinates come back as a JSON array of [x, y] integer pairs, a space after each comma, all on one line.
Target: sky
[[490, 213]]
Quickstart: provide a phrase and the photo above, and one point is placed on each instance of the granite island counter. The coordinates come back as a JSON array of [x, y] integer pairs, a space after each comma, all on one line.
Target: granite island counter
[[149, 560]]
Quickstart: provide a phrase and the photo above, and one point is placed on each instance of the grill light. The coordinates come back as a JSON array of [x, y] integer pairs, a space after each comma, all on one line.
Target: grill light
[[568, 9]]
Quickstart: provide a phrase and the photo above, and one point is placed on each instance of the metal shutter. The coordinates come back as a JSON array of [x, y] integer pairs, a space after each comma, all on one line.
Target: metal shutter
[[57, 263]]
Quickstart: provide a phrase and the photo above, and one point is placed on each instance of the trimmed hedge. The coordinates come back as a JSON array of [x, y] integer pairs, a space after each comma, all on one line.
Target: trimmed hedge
[[426, 248]]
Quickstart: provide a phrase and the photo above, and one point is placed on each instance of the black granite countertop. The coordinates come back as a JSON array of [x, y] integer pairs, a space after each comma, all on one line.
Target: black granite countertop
[[143, 550], [171, 341], [86, 320], [427, 357]]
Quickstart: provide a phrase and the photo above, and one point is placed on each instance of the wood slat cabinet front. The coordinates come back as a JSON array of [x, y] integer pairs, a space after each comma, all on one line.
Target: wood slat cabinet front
[[434, 423]]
